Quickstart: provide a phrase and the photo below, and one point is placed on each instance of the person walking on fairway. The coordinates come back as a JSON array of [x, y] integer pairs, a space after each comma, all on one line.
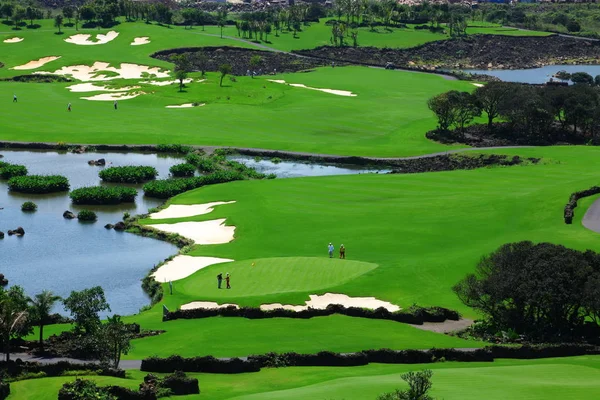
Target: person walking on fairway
[[342, 252], [14, 98], [330, 249], [219, 280], [115, 104], [227, 281], [69, 107]]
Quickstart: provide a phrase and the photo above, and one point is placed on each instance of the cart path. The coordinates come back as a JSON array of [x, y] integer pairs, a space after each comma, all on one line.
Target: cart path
[[591, 219]]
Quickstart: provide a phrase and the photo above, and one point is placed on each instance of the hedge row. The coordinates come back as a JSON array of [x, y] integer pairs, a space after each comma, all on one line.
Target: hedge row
[[570, 207], [165, 188], [128, 174], [13, 369], [38, 184], [4, 390], [415, 315], [103, 195], [211, 364]]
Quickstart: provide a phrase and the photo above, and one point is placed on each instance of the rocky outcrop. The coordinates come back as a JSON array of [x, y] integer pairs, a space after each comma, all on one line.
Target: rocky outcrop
[[17, 232], [68, 215], [120, 226], [109, 226], [1, 235], [99, 162], [476, 51]]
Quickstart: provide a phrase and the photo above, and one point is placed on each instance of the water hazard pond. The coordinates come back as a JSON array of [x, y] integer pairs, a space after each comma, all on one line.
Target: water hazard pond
[[535, 75], [63, 255]]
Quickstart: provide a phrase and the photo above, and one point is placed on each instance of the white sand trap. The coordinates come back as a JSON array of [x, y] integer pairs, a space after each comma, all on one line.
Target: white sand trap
[[183, 266], [36, 63], [84, 39], [186, 105], [478, 84], [94, 73], [182, 211], [206, 232], [321, 302], [330, 91], [138, 41], [113, 96], [206, 304], [90, 87], [166, 83], [13, 40]]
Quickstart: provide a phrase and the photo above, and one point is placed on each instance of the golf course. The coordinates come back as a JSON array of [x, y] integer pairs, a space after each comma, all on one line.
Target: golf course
[[259, 245]]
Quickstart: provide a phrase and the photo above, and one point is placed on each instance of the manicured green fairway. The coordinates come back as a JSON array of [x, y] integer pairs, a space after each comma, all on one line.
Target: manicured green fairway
[[574, 378]]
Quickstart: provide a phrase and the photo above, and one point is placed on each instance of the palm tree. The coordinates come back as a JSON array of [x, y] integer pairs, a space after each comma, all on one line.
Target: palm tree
[[40, 306]]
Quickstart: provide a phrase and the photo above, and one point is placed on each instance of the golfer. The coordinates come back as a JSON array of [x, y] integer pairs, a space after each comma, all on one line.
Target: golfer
[[342, 252], [227, 281], [115, 104], [219, 280], [14, 98], [69, 107], [330, 248]]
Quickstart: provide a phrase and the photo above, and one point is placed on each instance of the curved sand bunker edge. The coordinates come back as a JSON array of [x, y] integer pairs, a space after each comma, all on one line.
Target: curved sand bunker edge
[[185, 105], [91, 87], [33, 64], [187, 210], [13, 40], [86, 73], [330, 91], [316, 302], [113, 96], [138, 41], [83, 39], [182, 266], [206, 232]]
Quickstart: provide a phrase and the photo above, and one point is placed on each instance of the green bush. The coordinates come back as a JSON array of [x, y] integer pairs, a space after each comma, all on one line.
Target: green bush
[[245, 170], [87, 215], [182, 170], [7, 170], [103, 195], [128, 174], [166, 188], [29, 206], [204, 164], [173, 148], [38, 184]]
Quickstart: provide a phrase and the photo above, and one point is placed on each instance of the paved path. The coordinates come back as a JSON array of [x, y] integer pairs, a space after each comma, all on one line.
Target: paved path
[[124, 364], [591, 219]]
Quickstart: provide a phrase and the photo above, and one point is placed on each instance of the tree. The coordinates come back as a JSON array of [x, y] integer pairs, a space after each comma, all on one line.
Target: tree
[[465, 108], [222, 19], [582, 78], [573, 26], [419, 383], [7, 10], [563, 75], [200, 60], [68, 12], [442, 106], [181, 69], [58, 21], [87, 13], [19, 14], [255, 61], [489, 98], [40, 308], [13, 317], [224, 69], [115, 340], [31, 14], [84, 307]]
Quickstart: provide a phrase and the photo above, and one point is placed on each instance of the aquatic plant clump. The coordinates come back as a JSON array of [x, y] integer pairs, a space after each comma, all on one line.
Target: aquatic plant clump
[[103, 195], [87, 215], [165, 188], [29, 206], [128, 174], [38, 184], [8, 170], [182, 170]]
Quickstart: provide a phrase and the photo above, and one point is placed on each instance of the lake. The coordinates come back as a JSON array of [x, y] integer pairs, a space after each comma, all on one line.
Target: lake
[[535, 75]]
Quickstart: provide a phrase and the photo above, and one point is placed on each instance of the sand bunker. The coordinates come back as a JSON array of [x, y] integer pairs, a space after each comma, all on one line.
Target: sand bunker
[[331, 91], [478, 84], [186, 105], [113, 96], [182, 211], [90, 87], [13, 40], [84, 39], [206, 232], [206, 304], [138, 41], [36, 63], [316, 301], [166, 83], [94, 73], [183, 266]]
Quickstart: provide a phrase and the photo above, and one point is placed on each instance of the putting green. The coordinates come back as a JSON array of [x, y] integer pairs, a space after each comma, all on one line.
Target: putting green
[[266, 276]]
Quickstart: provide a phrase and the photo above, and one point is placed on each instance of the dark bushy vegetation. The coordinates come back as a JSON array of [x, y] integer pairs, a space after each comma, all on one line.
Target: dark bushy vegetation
[[7, 170], [534, 115], [540, 292], [103, 195], [29, 206], [165, 188], [572, 204], [87, 215], [128, 174], [4, 390], [183, 170], [17, 369], [414, 315], [173, 148], [38, 184]]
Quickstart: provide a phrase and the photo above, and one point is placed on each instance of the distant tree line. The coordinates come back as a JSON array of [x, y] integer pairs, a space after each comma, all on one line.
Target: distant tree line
[[522, 113]]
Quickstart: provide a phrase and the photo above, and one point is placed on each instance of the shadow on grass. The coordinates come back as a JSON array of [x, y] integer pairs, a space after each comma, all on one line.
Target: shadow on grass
[[34, 26], [59, 33]]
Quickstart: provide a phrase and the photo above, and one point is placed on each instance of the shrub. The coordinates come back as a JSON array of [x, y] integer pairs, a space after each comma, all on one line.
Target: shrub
[[38, 184], [7, 171], [204, 164], [173, 148], [182, 170], [103, 195], [166, 188], [29, 206], [128, 174], [245, 170], [87, 215], [4, 390]]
